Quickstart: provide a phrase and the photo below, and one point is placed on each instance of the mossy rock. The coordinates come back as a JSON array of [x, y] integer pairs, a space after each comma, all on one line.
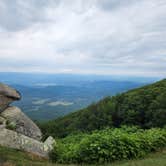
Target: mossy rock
[[11, 125]]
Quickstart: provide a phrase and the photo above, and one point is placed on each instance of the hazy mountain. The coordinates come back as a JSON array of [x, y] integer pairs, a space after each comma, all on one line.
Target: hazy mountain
[[48, 96]]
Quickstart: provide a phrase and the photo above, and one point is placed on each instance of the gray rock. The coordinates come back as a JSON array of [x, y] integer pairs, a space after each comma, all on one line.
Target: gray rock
[[49, 142], [22, 124], [2, 122], [15, 140], [7, 95]]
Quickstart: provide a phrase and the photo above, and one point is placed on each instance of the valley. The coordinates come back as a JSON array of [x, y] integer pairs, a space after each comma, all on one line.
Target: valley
[[47, 96]]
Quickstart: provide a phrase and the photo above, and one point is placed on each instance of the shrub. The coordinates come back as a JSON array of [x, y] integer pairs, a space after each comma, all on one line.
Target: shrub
[[109, 145]]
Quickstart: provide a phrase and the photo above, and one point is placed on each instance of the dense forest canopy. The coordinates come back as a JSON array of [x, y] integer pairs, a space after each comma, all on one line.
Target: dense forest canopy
[[144, 107]]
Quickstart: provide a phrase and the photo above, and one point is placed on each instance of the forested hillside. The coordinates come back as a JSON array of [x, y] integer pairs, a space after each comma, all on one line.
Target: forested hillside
[[144, 107]]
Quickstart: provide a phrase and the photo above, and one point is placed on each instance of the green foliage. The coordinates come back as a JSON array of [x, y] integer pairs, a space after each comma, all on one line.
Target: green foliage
[[11, 157], [144, 107], [10, 125], [108, 145]]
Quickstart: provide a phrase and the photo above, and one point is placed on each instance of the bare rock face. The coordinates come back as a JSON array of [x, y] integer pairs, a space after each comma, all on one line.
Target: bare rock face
[[15, 140], [49, 142], [7, 95], [21, 123]]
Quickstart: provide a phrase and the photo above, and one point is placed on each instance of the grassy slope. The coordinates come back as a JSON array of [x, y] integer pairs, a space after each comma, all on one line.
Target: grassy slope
[[16, 158]]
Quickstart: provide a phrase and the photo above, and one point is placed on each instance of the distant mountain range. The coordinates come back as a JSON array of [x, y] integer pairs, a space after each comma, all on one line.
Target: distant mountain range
[[49, 96]]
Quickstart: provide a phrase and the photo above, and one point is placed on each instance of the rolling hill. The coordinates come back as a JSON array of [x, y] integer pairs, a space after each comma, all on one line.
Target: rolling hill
[[144, 107]]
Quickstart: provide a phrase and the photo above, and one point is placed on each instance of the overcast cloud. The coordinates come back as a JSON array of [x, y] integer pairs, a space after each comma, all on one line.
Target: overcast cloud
[[124, 37]]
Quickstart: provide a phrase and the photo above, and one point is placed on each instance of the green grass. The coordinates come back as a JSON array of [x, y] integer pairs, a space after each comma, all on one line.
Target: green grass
[[11, 157]]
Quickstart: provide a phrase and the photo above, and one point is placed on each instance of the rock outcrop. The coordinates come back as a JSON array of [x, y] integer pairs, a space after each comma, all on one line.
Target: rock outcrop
[[15, 140], [21, 123], [16, 129], [7, 95]]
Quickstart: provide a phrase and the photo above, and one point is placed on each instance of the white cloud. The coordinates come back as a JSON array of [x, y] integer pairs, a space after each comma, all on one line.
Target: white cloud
[[76, 36]]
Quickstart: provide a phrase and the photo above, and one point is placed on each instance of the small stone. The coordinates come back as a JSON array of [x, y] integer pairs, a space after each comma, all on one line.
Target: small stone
[[49, 142]]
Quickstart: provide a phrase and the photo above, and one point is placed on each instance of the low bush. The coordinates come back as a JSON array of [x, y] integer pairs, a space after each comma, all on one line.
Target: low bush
[[108, 145]]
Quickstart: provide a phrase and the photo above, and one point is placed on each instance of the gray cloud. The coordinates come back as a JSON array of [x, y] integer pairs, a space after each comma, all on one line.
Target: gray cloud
[[105, 37], [17, 15], [114, 4]]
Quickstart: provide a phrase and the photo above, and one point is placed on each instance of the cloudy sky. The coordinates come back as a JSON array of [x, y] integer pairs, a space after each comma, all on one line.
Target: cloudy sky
[[120, 37]]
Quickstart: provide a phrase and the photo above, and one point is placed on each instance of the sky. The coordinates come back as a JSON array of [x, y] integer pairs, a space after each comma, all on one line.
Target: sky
[[109, 37]]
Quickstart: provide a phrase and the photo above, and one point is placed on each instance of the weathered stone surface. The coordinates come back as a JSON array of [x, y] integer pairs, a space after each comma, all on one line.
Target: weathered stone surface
[[15, 140], [49, 143], [9, 92], [23, 124], [2, 122], [7, 95]]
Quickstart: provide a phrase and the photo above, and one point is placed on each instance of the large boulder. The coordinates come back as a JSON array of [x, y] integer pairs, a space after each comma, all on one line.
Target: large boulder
[[15, 140], [7, 95], [19, 122]]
